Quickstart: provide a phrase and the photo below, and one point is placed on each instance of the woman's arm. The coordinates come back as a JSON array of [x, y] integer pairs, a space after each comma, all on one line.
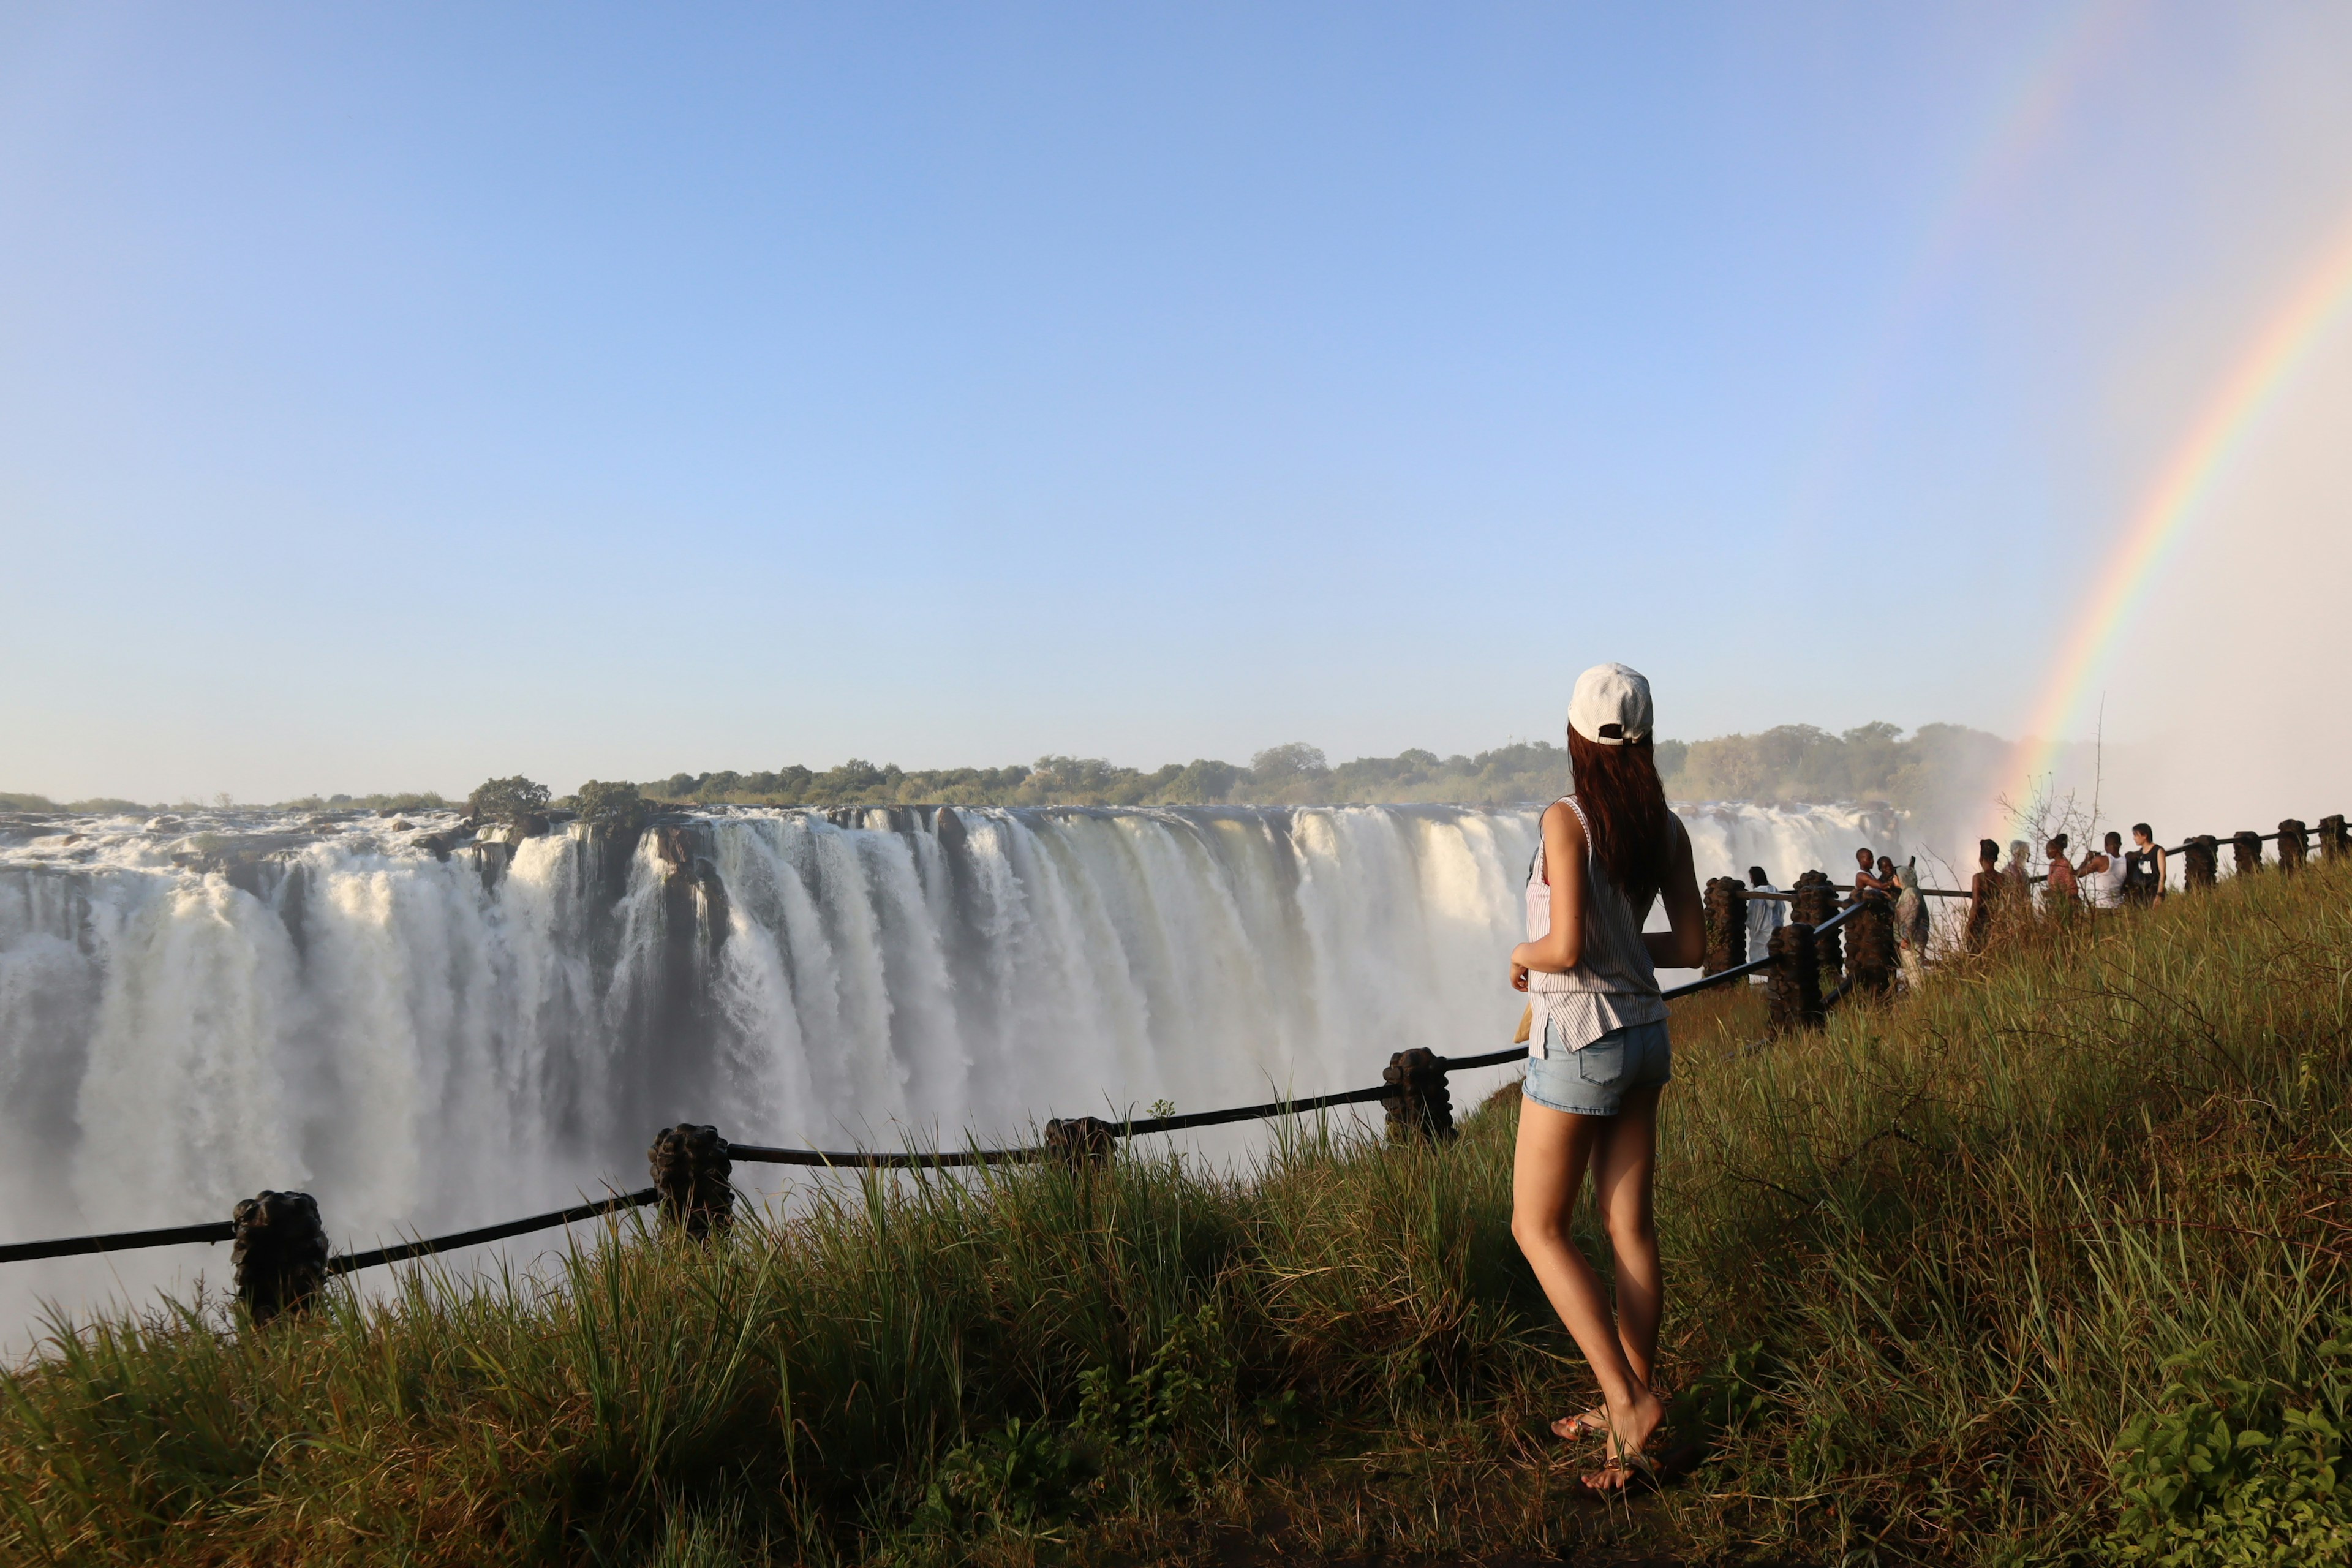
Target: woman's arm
[[1684, 945], [1562, 948]]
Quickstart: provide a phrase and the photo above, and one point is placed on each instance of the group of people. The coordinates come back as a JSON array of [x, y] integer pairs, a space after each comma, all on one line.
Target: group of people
[[1875, 876], [2108, 878]]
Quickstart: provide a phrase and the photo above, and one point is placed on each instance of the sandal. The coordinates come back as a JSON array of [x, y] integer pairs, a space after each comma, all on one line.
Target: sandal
[[1621, 1474], [1575, 1429]]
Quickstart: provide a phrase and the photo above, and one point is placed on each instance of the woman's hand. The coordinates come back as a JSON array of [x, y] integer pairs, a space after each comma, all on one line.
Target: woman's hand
[[1518, 975]]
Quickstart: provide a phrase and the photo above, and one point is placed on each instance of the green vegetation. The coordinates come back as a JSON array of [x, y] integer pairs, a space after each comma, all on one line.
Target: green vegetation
[[505, 800], [1941, 763], [104, 805], [399, 800], [618, 803], [2045, 1264]]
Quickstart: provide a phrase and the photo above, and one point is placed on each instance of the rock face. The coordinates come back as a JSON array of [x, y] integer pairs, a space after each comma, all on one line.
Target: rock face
[[280, 1253]]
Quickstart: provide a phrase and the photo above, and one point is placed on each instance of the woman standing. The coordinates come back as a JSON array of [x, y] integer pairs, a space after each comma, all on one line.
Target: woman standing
[[1911, 927], [1985, 894], [2060, 891], [1601, 1055]]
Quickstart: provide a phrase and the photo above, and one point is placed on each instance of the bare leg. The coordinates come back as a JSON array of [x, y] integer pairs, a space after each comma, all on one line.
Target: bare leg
[[1554, 1148], [1624, 1163]]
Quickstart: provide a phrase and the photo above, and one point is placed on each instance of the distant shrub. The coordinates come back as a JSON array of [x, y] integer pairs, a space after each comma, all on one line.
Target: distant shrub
[[505, 800], [26, 803], [616, 804]]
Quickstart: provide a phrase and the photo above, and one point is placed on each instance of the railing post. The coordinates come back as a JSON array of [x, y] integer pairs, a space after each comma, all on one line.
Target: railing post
[[1081, 1142], [1869, 947], [692, 1167], [1421, 1110], [2334, 841], [280, 1253], [1726, 925], [2294, 844], [1814, 904], [2200, 860], [2248, 844], [1793, 987]]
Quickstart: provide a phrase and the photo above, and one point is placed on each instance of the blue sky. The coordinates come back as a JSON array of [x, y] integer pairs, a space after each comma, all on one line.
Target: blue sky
[[393, 397]]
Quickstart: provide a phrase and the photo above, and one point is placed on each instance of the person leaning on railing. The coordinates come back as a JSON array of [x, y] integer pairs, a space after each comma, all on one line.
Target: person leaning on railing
[[2101, 875], [1911, 926], [2144, 867], [2059, 892], [1987, 890], [1600, 1058]]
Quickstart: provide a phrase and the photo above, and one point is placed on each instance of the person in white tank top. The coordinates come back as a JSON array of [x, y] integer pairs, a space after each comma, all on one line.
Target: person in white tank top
[[1601, 1057]]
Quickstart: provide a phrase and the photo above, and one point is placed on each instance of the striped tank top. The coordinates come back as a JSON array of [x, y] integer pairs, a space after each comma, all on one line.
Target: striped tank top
[[1613, 983]]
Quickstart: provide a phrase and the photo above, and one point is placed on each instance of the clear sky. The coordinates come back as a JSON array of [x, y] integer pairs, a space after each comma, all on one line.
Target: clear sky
[[394, 396]]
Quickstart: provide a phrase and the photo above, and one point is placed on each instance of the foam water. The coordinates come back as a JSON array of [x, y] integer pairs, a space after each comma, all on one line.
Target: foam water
[[430, 1031]]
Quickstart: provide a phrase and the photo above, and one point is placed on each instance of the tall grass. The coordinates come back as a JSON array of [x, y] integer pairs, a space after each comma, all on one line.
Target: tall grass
[[1929, 1266]]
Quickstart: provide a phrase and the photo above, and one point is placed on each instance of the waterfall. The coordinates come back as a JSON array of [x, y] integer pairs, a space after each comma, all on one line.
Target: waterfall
[[429, 1029]]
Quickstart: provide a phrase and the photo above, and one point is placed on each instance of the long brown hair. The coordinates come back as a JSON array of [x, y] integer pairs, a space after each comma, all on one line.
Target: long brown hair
[[1625, 812]]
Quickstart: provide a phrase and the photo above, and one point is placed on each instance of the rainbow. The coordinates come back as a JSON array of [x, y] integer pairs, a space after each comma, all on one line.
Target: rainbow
[[2181, 488]]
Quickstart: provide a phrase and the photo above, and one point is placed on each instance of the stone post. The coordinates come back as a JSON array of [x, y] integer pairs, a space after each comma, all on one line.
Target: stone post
[[1793, 987], [1726, 925], [1421, 1110], [2248, 846], [1815, 902], [693, 1169], [279, 1254], [2334, 841], [1870, 948], [2200, 860], [2294, 844], [1081, 1142]]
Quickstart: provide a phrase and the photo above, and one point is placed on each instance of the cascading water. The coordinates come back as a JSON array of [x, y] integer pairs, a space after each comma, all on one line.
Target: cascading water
[[428, 1030]]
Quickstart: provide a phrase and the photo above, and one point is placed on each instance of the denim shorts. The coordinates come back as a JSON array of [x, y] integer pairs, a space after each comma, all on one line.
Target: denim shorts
[[1595, 1080]]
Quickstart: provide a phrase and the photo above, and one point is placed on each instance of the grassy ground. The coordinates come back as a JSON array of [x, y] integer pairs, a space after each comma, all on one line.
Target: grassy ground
[[2001, 1273]]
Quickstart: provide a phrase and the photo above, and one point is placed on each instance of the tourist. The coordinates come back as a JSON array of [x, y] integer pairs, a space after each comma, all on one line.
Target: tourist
[[1911, 926], [1987, 890], [1600, 1057], [1867, 882], [1765, 916], [2059, 890], [2144, 868], [2017, 883], [2102, 874]]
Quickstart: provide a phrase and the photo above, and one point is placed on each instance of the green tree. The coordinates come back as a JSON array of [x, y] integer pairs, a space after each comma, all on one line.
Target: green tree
[[505, 800], [619, 804]]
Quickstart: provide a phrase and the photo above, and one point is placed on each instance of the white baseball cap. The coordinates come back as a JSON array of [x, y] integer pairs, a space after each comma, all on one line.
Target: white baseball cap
[[1610, 705]]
